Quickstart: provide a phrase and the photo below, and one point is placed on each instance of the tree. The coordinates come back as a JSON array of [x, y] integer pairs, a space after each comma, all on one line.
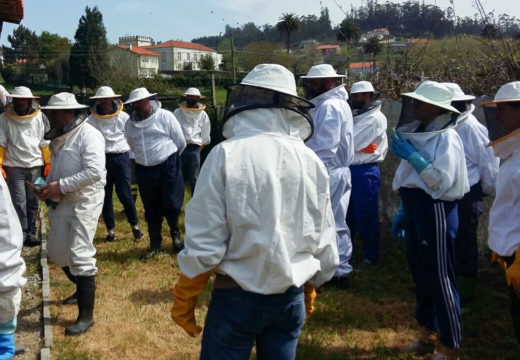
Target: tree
[[24, 45], [348, 32], [207, 62], [89, 58], [288, 23], [263, 52], [54, 54], [373, 46]]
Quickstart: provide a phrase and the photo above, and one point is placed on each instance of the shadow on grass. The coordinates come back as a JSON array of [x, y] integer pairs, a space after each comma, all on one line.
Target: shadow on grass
[[151, 297]]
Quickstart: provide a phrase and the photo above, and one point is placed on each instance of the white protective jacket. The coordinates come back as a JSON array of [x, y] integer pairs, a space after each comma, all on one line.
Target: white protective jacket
[[195, 124], [333, 142], [370, 127], [113, 129], [262, 217], [22, 137], [504, 223], [78, 163], [12, 266], [481, 163], [155, 138], [446, 178]]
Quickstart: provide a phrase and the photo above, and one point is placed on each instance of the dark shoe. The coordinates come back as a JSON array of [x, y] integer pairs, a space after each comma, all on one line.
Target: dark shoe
[[178, 244], [31, 240], [150, 254], [366, 265], [19, 350], [71, 300], [138, 234], [338, 282], [86, 289], [111, 236]]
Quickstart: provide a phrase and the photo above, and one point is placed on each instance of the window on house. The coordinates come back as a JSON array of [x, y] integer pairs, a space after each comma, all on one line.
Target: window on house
[[188, 56], [163, 57], [194, 57], [179, 56]]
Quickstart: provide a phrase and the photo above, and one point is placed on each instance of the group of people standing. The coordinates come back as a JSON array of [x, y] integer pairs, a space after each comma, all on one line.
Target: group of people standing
[[275, 206], [90, 154]]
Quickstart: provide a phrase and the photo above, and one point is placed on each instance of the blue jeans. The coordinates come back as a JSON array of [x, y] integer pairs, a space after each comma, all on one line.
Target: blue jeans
[[118, 174], [190, 158], [237, 319], [24, 200]]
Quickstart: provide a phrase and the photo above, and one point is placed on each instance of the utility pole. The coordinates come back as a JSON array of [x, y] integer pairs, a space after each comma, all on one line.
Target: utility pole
[[233, 57]]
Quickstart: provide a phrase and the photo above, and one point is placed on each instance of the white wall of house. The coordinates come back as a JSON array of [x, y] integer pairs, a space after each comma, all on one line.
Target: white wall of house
[[144, 66], [176, 58], [148, 66]]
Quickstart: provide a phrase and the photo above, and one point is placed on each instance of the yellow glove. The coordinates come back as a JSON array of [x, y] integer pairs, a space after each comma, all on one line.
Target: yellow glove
[[46, 160], [185, 299], [513, 272], [2, 154], [310, 295], [498, 259]]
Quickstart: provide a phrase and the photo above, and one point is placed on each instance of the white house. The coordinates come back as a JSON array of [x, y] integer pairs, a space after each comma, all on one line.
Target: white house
[[144, 63], [180, 55]]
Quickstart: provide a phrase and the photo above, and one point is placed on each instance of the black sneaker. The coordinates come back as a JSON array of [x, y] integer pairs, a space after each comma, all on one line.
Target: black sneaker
[[338, 282], [150, 254], [31, 240], [178, 244], [138, 234], [111, 237]]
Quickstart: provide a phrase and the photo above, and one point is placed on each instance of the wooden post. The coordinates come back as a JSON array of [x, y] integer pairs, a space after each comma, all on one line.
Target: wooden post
[[213, 92]]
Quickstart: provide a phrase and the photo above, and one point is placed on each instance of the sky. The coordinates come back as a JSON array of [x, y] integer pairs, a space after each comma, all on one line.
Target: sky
[[184, 20]]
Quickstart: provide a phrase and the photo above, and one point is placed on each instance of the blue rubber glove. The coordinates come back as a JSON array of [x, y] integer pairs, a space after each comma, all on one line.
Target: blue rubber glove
[[6, 346], [402, 148], [398, 223], [39, 183]]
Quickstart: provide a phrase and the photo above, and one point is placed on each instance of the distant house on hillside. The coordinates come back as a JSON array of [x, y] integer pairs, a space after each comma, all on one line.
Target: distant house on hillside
[[380, 34], [361, 68], [327, 50], [180, 55], [145, 63]]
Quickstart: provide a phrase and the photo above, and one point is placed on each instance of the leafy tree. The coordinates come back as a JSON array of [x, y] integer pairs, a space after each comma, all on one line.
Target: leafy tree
[[24, 45], [373, 46], [263, 52], [207, 63], [89, 58], [288, 24], [54, 54], [348, 32]]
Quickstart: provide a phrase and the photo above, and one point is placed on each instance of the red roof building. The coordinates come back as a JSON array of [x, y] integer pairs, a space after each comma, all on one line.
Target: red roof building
[[180, 55]]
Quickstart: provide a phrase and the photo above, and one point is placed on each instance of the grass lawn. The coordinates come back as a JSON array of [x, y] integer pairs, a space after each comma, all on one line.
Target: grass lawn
[[369, 321]]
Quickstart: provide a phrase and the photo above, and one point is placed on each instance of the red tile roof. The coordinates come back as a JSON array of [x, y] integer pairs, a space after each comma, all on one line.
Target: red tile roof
[[11, 11], [361, 65], [139, 50], [181, 44], [326, 47]]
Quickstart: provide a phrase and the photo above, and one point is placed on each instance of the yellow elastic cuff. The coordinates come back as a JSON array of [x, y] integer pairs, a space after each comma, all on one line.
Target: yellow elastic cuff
[[46, 155], [2, 153]]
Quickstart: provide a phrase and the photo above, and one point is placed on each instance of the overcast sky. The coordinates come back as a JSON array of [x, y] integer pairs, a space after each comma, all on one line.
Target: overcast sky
[[184, 20]]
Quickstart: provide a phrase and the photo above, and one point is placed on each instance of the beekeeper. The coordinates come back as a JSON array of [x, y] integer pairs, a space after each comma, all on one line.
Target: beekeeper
[[12, 268], [196, 128], [370, 148], [504, 227], [24, 153], [108, 117], [482, 168], [156, 138], [333, 142], [76, 183], [430, 179], [260, 270]]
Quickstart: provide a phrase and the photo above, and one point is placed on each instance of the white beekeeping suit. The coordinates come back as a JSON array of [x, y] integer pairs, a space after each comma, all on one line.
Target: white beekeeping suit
[[113, 129], [12, 266], [370, 128], [333, 142], [195, 124]]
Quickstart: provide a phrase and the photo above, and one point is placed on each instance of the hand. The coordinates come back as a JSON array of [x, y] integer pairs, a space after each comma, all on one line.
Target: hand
[[310, 295], [398, 224], [513, 272], [50, 191], [3, 172], [46, 169], [184, 301], [370, 149], [498, 259], [402, 147]]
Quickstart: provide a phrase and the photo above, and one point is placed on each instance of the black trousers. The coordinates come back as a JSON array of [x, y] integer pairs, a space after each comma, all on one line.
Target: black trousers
[[515, 302]]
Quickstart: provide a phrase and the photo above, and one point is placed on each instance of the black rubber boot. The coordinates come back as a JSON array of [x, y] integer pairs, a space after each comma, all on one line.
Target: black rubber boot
[[86, 288], [71, 300], [154, 232], [178, 244]]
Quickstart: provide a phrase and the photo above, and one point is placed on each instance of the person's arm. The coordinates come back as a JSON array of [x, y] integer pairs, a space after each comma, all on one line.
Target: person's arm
[[325, 140], [176, 133], [488, 164], [206, 235], [206, 129], [93, 159]]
